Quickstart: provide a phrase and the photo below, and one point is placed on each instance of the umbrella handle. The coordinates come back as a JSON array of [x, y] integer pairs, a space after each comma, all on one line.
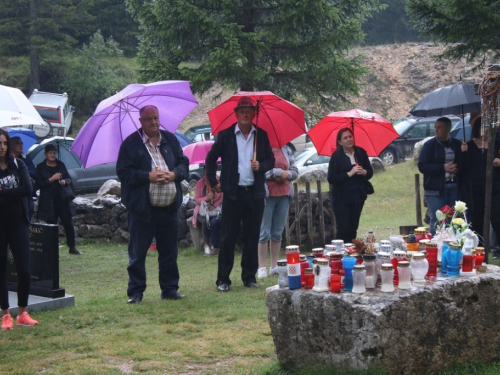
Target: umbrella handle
[[255, 146]]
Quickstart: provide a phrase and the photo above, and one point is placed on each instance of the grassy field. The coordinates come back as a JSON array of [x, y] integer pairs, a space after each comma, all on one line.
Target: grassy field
[[206, 333]]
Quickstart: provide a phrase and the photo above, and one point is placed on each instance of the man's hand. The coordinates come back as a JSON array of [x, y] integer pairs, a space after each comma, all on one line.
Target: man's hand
[[496, 162], [170, 176], [451, 167], [157, 176], [254, 164]]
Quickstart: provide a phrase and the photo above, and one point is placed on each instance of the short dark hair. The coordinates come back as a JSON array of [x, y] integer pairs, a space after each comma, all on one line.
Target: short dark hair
[[15, 140], [476, 128], [50, 147], [444, 120], [4, 132]]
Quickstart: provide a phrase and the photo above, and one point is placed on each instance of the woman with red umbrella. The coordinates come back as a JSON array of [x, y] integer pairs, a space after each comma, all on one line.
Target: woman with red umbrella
[[348, 172]]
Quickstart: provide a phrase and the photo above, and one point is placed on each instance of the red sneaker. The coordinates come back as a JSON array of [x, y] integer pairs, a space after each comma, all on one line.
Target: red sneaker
[[7, 322], [25, 320]]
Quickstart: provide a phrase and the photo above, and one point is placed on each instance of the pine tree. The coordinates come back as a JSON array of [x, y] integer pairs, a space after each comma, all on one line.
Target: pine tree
[[291, 47]]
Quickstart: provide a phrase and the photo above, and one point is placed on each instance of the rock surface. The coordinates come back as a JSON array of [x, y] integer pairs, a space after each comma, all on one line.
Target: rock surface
[[419, 331]]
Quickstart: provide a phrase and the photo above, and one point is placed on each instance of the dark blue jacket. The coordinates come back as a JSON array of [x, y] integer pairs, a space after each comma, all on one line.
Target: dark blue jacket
[[133, 167], [226, 148], [431, 163]]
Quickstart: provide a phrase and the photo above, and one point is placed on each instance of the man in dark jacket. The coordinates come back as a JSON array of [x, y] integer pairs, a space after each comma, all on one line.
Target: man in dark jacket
[[242, 181], [440, 160], [151, 166]]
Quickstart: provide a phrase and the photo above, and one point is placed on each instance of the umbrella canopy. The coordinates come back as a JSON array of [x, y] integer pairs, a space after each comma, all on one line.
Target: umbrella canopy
[[371, 131], [64, 154], [455, 99], [197, 152], [116, 117], [18, 109], [282, 120], [27, 136]]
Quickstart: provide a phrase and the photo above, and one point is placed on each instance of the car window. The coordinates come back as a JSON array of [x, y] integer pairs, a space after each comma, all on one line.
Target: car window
[[303, 154], [402, 126], [319, 159], [418, 131]]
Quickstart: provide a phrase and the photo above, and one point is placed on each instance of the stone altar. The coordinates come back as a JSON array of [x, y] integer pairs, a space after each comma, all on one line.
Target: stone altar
[[417, 331]]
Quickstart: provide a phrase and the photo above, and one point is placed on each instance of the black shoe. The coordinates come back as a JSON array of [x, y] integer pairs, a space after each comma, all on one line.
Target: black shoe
[[251, 284], [136, 298], [223, 287], [74, 250], [174, 296]]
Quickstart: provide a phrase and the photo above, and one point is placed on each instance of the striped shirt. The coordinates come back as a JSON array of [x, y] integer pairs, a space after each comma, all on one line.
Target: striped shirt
[[160, 194]]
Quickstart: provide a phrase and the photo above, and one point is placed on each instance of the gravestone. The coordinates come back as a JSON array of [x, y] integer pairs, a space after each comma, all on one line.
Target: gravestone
[[44, 258]]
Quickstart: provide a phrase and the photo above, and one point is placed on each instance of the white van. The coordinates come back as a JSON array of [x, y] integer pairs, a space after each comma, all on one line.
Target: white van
[[56, 110]]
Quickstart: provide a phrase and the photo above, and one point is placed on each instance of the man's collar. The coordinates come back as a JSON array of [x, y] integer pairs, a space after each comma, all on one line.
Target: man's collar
[[145, 138], [237, 129]]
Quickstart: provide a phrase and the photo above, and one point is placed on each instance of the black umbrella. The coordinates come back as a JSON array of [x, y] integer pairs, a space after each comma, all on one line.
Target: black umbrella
[[64, 154], [458, 98]]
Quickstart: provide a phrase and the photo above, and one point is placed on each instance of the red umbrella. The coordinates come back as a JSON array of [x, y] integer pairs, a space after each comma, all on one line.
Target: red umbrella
[[282, 120], [371, 131]]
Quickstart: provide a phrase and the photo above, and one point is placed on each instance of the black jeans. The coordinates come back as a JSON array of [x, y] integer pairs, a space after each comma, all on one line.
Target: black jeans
[[63, 211], [249, 211], [347, 217], [14, 231], [163, 225]]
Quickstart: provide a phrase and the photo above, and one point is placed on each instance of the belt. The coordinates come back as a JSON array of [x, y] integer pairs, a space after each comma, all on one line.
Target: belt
[[248, 187]]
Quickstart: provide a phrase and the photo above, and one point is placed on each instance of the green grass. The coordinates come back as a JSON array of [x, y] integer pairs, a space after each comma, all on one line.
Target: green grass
[[206, 333]]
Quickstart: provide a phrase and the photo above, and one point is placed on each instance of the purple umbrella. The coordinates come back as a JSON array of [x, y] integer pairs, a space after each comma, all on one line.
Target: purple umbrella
[[116, 117]]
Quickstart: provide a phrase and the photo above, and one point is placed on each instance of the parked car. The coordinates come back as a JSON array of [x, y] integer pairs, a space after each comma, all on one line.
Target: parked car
[[411, 130], [200, 133], [308, 159], [55, 109], [84, 180]]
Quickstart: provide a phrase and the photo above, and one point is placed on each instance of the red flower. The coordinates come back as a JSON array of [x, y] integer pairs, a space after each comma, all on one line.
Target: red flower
[[447, 210]]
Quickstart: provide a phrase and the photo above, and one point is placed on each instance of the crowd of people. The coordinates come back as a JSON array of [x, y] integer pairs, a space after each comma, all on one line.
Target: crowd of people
[[250, 199]]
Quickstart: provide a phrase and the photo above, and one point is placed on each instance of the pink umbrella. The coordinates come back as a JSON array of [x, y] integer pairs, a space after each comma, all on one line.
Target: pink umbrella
[[371, 131], [197, 152]]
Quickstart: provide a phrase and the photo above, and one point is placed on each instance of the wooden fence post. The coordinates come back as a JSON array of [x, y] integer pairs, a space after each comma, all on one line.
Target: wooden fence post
[[418, 204], [321, 213], [297, 214], [310, 234]]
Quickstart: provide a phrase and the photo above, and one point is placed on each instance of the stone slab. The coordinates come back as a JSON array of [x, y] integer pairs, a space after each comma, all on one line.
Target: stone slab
[[37, 303], [419, 331]]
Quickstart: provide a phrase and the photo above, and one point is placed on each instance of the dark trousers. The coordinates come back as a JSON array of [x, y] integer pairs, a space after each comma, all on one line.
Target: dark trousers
[[211, 235], [163, 225], [476, 214], [347, 217], [249, 211], [63, 211], [15, 232]]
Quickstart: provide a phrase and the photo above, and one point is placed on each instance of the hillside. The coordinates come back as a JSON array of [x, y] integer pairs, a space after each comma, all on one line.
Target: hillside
[[399, 75]]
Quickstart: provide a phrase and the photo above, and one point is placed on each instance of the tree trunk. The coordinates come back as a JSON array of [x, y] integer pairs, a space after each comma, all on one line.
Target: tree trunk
[[246, 81], [34, 60]]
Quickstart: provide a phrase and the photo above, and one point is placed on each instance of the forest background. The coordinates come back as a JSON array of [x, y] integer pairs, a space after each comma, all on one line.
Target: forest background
[[92, 49]]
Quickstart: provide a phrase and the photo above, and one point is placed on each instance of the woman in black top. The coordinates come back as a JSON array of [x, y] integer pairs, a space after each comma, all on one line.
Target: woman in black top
[[348, 172], [15, 187], [474, 178], [51, 176]]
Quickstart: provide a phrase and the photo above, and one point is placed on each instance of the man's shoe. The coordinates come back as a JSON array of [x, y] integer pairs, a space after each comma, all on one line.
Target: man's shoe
[[7, 322], [25, 320], [214, 251], [251, 284], [74, 250], [262, 273], [136, 298], [223, 287], [173, 296]]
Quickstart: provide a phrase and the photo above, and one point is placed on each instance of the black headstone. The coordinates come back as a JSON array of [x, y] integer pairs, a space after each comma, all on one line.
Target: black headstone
[[44, 258]]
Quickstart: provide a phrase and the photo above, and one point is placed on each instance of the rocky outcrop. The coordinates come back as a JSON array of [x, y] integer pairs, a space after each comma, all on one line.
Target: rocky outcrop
[[420, 331]]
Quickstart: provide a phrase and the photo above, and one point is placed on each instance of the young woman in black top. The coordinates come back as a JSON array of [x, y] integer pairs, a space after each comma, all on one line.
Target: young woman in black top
[[15, 187]]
